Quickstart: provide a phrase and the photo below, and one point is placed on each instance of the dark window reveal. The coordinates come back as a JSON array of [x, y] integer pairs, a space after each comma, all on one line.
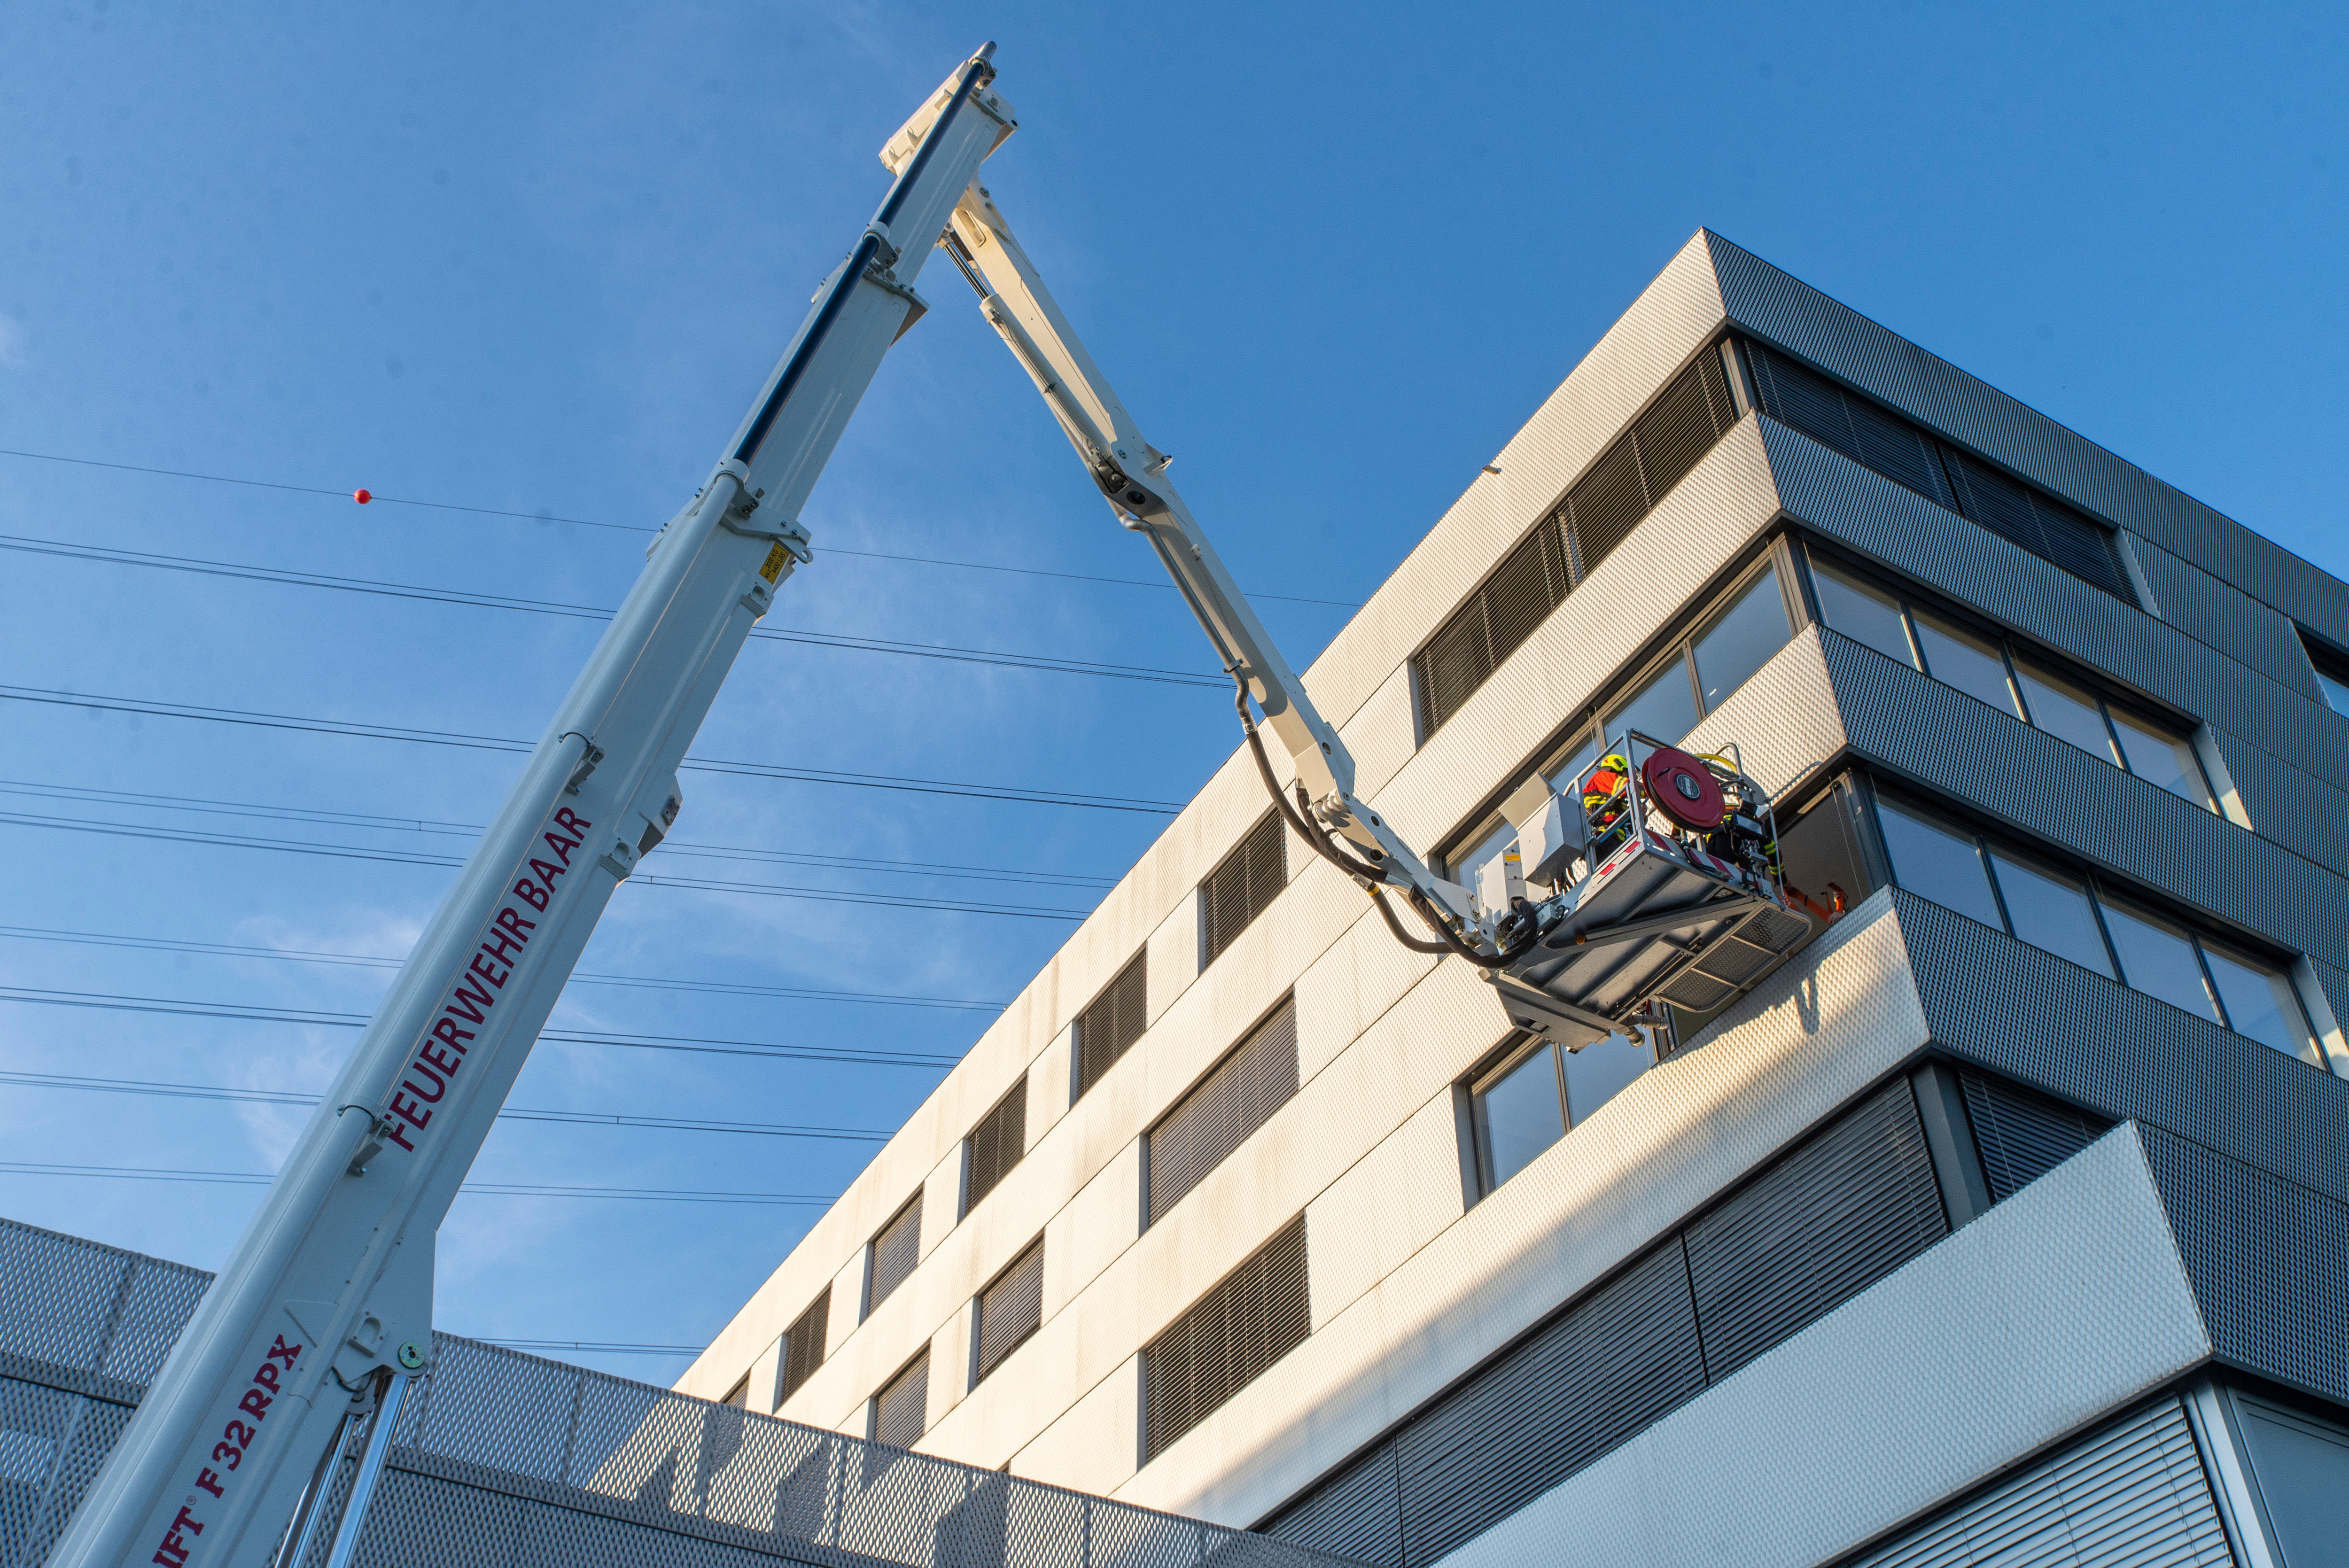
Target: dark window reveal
[[1622, 487], [1114, 1021], [1250, 1319], [1238, 891], [994, 1145], [1215, 1118]]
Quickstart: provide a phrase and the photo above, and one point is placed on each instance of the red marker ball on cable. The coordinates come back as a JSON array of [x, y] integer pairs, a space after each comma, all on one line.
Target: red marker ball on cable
[[362, 497]]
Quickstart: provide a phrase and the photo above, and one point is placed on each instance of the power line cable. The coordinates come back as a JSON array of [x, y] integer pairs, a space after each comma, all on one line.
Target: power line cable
[[286, 578], [160, 1090], [483, 1189], [624, 527], [255, 718], [255, 1013], [578, 978]]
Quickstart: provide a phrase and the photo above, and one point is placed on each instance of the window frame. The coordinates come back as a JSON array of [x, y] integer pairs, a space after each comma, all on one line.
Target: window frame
[[965, 1201], [920, 1358], [2332, 668], [868, 1305], [2015, 654], [1209, 951], [978, 1371], [1499, 1064], [1079, 1084], [821, 1309]]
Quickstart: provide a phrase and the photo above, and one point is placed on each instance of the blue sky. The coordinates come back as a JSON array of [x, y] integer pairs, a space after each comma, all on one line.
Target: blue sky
[[536, 259]]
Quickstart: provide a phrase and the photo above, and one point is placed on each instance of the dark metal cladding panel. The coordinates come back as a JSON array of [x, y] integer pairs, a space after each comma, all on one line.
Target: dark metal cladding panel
[[896, 1251], [1599, 1374], [1011, 1308], [997, 1144], [1965, 748], [2022, 1135], [1109, 1028], [2222, 616], [2121, 1053], [1844, 1210], [1886, 523], [2268, 1259], [1357, 1513], [803, 1345], [1216, 1116], [1783, 310], [2298, 810], [901, 1410], [1224, 1340], [2133, 1495]]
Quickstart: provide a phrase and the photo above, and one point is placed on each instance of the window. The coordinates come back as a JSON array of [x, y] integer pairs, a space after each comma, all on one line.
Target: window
[[893, 1254], [739, 1396], [1236, 1096], [1984, 667], [1877, 438], [2073, 919], [901, 1409], [994, 1145], [2301, 1467], [1224, 1341], [1733, 640], [1238, 891], [1009, 1310], [1538, 1090], [2332, 673], [1115, 1020], [803, 1345], [1622, 487]]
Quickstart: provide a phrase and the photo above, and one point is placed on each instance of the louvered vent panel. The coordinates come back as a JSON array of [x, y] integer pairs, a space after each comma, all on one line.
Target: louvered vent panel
[[1231, 1103], [1455, 664], [1522, 592], [1876, 438], [803, 1345], [2022, 1135], [1243, 885], [896, 1251], [1681, 425], [1841, 1211], [1579, 1386], [996, 1144], [1356, 1513], [1606, 505], [1011, 1308], [901, 1410], [1114, 1021], [1254, 1316]]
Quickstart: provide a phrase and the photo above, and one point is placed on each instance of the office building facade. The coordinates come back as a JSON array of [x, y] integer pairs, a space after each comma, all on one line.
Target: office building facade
[[2012, 1211]]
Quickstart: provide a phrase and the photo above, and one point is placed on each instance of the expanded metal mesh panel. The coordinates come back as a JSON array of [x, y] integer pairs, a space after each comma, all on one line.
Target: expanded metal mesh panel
[[88, 1317], [2268, 1259], [1591, 1378], [1115, 1020], [997, 1144], [2132, 1496], [896, 1251], [1224, 1340], [1215, 1118], [1245, 884], [2022, 1135], [803, 1345], [52, 1443], [901, 1410], [1011, 1308]]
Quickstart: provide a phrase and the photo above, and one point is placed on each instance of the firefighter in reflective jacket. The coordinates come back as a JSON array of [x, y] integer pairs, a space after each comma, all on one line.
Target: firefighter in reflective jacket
[[1604, 801]]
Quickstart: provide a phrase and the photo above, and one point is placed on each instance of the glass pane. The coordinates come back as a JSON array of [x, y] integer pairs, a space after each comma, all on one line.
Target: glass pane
[[2161, 759], [2157, 960], [1960, 659], [1862, 614], [2337, 693], [1931, 860], [2054, 913], [1584, 753], [2065, 712], [1599, 1071], [1742, 639], [1521, 1114], [1665, 707], [2262, 1004], [2303, 1474]]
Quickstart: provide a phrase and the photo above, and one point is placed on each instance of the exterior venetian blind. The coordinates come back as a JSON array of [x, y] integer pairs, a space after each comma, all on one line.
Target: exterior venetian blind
[[1622, 487], [996, 1145], [1239, 890], [1114, 1021], [1231, 1103], [1250, 1319], [1877, 438], [803, 1345], [1010, 1309], [2022, 1135], [901, 1410], [896, 1251]]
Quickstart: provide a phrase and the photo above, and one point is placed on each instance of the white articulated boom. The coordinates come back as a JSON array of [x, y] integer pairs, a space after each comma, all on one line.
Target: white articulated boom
[[321, 1319]]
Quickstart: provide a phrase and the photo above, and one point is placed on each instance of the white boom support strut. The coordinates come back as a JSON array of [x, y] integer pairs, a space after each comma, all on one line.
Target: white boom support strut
[[328, 1296]]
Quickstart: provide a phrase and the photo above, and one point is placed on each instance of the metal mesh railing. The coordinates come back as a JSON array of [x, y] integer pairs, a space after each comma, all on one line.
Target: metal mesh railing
[[502, 1459]]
